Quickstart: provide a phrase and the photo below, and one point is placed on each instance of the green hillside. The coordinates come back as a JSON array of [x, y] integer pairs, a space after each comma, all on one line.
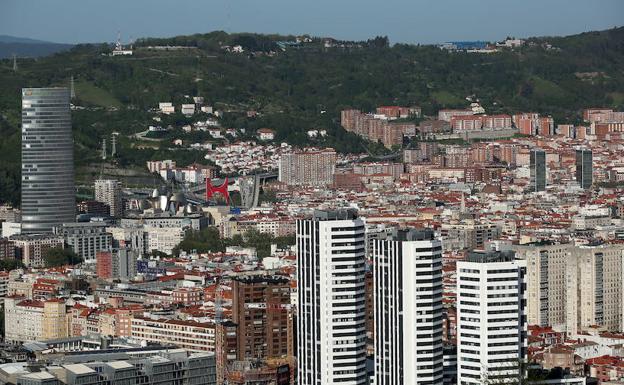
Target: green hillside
[[304, 86]]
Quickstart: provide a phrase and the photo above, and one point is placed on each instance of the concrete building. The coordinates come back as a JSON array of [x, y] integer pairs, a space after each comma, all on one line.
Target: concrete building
[[116, 368], [30, 320], [48, 195], [4, 286], [23, 320], [108, 191], [468, 235], [491, 320], [309, 168], [132, 237], [55, 321], [7, 249], [262, 314], [190, 335], [117, 264], [331, 324], [584, 168], [31, 249], [10, 229], [574, 287], [537, 159], [408, 308], [85, 239], [163, 239]]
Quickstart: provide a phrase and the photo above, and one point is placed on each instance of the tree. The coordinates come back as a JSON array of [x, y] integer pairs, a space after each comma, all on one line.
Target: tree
[[203, 241], [58, 256], [209, 240], [11, 264]]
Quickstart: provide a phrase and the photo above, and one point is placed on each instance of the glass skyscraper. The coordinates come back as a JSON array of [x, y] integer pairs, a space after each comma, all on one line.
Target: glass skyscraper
[[48, 195], [538, 170], [584, 169]]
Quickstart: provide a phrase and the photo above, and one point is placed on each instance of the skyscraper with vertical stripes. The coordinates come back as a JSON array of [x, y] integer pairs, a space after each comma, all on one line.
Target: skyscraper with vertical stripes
[[407, 273], [331, 321]]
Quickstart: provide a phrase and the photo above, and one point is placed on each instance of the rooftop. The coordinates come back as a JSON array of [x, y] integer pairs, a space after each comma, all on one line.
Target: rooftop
[[341, 214]]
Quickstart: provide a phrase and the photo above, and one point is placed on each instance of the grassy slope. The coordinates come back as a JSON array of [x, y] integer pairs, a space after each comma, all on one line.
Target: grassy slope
[[87, 92]]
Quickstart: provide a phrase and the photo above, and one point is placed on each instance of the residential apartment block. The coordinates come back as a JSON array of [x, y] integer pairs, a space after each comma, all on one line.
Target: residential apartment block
[[572, 288], [491, 319], [308, 168]]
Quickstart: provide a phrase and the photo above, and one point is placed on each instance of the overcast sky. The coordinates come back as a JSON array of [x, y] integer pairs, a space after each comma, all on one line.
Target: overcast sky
[[415, 21]]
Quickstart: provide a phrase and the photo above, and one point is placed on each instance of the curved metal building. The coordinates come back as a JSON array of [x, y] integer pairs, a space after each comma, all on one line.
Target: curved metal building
[[48, 192]]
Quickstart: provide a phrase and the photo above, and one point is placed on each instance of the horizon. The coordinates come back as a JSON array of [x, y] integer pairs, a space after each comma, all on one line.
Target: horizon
[[401, 22], [459, 40]]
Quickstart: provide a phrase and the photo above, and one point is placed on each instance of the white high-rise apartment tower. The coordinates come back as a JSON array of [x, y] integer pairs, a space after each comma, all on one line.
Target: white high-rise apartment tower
[[109, 191], [491, 320], [408, 308], [331, 324]]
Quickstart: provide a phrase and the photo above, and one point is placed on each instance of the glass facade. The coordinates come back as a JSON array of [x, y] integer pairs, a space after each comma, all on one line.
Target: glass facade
[[538, 170], [48, 192], [584, 171]]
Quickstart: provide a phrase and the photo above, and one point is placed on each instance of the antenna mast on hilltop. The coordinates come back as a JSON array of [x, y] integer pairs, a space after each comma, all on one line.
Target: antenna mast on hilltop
[[118, 45]]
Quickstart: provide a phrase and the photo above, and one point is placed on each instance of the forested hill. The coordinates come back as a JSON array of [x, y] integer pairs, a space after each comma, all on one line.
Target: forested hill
[[297, 87]]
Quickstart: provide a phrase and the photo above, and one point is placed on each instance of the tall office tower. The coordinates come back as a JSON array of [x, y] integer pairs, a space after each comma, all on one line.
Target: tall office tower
[[48, 191], [408, 309], [538, 170], [491, 321], [331, 324], [109, 191], [308, 168], [584, 168]]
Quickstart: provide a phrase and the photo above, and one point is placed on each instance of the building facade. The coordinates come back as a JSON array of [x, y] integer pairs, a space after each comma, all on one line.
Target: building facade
[[109, 367], [23, 320], [262, 314], [108, 191], [491, 320], [309, 168], [572, 288], [85, 239], [537, 159], [48, 191], [31, 249], [584, 168], [331, 323], [408, 308], [190, 335]]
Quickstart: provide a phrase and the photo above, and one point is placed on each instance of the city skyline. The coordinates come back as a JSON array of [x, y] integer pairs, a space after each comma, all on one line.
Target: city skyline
[[296, 210]]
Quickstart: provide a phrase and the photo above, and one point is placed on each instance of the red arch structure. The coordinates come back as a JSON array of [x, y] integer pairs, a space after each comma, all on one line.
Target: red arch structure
[[223, 190]]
